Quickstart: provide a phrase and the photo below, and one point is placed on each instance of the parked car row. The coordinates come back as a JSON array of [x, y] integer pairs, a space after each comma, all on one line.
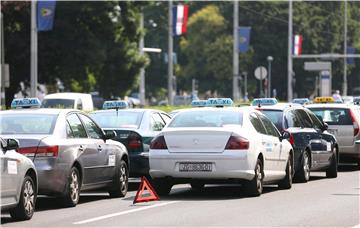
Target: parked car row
[[62, 152]]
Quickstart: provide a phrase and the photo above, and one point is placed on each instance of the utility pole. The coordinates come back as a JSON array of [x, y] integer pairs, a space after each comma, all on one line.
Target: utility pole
[[34, 48], [2, 60], [290, 63], [236, 52], [142, 70], [345, 84], [170, 56]]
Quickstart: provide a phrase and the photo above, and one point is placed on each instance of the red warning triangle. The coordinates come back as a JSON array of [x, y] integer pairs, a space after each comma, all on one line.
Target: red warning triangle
[[145, 186]]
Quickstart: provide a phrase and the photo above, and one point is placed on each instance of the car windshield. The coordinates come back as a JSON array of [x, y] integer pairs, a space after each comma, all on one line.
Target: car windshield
[[207, 118], [24, 123], [276, 116], [333, 116], [120, 119], [57, 103]]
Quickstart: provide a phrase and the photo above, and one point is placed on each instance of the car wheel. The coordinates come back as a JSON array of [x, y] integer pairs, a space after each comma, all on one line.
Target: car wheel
[[72, 193], [26, 206], [331, 172], [286, 183], [121, 181], [254, 187], [303, 174], [197, 186], [162, 186]]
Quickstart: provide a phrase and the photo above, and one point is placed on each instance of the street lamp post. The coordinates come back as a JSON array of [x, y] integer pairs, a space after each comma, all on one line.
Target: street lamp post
[[269, 59]]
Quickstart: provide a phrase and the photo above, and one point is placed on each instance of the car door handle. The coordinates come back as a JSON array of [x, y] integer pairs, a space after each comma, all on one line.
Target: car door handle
[[99, 148], [81, 148]]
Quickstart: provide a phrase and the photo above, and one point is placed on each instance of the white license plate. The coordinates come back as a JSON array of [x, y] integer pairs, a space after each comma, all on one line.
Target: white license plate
[[195, 167]]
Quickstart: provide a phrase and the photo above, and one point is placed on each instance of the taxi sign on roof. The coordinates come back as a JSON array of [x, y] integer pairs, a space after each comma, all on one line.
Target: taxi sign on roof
[[301, 101], [264, 101], [25, 103], [198, 103], [356, 100], [324, 100], [219, 102], [115, 105]]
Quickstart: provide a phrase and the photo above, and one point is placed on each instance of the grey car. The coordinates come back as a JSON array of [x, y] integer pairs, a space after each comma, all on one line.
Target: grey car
[[70, 152], [18, 181]]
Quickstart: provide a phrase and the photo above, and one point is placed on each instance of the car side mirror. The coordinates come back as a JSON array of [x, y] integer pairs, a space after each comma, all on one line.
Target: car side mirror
[[109, 134], [12, 144], [284, 135], [325, 127]]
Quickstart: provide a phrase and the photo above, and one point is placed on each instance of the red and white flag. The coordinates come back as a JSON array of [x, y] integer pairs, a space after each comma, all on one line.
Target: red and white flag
[[298, 39], [180, 17]]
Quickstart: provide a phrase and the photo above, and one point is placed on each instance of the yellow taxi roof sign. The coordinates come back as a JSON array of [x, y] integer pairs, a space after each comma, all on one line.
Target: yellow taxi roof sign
[[324, 100]]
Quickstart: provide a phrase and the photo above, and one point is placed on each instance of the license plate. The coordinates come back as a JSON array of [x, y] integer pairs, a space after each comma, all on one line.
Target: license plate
[[195, 167]]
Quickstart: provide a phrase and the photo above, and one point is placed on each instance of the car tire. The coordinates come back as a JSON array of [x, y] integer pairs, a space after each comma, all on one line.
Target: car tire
[[197, 186], [72, 192], [331, 171], [303, 175], [162, 186], [254, 187], [121, 181], [26, 206], [286, 183]]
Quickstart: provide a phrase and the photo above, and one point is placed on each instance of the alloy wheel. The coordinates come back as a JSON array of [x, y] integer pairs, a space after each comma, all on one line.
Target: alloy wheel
[[29, 197]]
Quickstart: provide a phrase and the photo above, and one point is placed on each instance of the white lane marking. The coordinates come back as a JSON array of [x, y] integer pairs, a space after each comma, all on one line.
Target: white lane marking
[[122, 213]]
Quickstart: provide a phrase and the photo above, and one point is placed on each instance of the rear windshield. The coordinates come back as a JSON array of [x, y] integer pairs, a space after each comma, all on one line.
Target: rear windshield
[[26, 124], [276, 116], [333, 116], [58, 103], [121, 119], [206, 119]]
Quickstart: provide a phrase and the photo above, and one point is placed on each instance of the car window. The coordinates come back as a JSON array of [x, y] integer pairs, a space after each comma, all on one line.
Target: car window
[[292, 120], [76, 126], [69, 133], [27, 123], [156, 123], [269, 127], [317, 123], [165, 117], [79, 104], [304, 117], [255, 121], [206, 118], [57, 103], [118, 119], [333, 116], [92, 129], [276, 116]]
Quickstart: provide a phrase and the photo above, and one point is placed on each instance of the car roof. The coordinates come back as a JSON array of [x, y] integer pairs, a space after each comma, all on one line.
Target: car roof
[[128, 110], [237, 109], [329, 105], [282, 106], [67, 95], [38, 111]]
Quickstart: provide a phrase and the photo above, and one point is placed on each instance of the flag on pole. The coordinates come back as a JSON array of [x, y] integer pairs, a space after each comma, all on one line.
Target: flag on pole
[[350, 50], [244, 39], [180, 17], [45, 15], [298, 39]]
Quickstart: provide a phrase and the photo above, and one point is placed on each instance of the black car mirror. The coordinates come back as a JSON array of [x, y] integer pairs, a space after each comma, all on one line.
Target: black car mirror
[[12, 144], [285, 135], [325, 127], [109, 134]]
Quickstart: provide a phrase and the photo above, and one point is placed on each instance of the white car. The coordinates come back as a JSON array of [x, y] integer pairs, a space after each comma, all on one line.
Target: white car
[[81, 101], [216, 145]]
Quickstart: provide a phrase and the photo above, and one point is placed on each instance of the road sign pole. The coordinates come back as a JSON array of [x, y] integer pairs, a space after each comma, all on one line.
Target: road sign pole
[[34, 42], [236, 52], [170, 55], [345, 84], [290, 63]]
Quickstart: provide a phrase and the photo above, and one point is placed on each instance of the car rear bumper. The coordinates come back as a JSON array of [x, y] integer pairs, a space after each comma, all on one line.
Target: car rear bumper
[[350, 151], [139, 164], [226, 165]]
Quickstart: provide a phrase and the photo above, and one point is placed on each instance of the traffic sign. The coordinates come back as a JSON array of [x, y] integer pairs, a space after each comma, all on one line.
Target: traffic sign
[[260, 73]]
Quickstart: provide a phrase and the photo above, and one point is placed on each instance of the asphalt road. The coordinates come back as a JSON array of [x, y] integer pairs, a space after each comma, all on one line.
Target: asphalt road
[[320, 202]]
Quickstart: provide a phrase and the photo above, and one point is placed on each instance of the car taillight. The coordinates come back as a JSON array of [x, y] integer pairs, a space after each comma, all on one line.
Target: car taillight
[[41, 151], [158, 143], [237, 143], [134, 142], [355, 123], [291, 138]]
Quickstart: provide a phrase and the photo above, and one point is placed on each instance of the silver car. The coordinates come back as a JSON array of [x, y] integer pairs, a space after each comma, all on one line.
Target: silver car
[[18, 181], [69, 150], [344, 124]]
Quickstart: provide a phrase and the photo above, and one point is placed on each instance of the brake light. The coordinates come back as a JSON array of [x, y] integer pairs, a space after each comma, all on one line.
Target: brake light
[[291, 139], [134, 142], [355, 123], [237, 143], [158, 143], [42, 151]]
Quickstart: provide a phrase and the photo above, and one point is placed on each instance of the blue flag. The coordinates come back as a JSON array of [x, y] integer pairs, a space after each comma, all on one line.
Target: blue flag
[[244, 39], [45, 15], [350, 50]]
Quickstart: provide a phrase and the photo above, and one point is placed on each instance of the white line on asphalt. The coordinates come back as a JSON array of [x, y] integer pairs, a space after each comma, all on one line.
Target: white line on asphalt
[[123, 213]]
